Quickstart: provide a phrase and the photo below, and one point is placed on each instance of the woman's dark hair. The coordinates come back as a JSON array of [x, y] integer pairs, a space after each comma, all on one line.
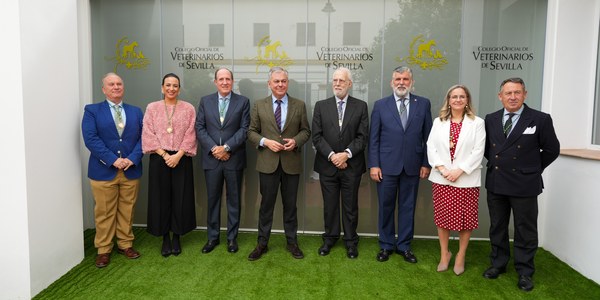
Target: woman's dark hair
[[171, 75]]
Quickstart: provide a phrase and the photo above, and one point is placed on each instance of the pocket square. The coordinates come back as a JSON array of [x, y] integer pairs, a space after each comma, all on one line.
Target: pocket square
[[529, 130]]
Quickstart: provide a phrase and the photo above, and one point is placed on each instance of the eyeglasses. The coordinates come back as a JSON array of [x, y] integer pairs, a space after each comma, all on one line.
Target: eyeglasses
[[340, 81]]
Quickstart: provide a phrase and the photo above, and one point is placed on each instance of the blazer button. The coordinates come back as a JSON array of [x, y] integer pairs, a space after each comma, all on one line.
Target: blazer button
[[497, 156], [120, 140], [518, 146], [496, 167], [493, 145], [514, 170], [514, 157]]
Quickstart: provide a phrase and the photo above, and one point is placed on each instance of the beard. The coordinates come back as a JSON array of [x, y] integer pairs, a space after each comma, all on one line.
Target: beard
[[401, 92]]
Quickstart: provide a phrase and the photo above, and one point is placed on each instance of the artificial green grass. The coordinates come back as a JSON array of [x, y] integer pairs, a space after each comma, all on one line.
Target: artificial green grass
[[223, 275]]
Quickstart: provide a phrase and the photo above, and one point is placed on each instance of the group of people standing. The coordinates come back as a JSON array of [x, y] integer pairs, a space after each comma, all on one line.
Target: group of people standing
[[404, 145]]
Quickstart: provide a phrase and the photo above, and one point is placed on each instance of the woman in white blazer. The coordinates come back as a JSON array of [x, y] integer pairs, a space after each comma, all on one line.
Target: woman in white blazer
[[455, 150]]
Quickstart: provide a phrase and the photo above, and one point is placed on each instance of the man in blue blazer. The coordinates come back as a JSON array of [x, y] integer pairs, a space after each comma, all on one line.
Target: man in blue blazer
[[222, 123], [112, 131], [400, 126], [520, 144]]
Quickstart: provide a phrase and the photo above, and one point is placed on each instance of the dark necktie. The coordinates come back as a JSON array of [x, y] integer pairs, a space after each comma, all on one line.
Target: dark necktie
[[278, 114], [508, 124]]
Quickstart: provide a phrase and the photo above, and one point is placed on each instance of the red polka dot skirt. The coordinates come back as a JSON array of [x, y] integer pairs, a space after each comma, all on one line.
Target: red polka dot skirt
[[455, 208]]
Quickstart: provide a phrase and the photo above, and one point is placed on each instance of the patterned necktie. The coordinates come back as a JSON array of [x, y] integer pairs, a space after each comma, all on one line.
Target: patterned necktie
[[278, 114], [118, 119], [340, 113], [403, 113], [222, 109], [508, 124]]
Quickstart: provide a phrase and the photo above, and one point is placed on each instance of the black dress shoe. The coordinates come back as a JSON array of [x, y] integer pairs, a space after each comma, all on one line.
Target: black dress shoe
[[384, 255], [408, 255], [295, 251], [493, 273], [324, 249], [176, 249], [257, 252], [166, 247], [352, 252], [232, 246], [525, 283], [209, 246]]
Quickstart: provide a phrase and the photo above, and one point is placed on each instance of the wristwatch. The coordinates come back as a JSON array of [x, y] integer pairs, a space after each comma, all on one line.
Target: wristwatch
[[227, 148]]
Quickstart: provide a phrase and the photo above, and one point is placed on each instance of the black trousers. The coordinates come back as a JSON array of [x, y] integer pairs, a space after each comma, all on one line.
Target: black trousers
[[171, 201], [269, 186], [344, 184], [525, 213]]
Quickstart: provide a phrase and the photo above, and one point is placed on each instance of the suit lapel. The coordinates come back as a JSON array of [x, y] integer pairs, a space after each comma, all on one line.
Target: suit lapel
[[268, 108], [233, 103], [466, 127], [330, 109], [291, 111], [391, 106], [350, 109], [516, 132], [412, 110], [106, 113], [212, 108]]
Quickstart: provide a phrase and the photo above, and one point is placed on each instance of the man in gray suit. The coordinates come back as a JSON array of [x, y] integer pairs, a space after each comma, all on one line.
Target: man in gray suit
[[278, 128], [221, 128]]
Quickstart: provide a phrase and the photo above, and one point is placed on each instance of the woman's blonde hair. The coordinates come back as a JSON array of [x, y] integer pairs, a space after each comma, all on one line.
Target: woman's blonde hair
[[445, 111]]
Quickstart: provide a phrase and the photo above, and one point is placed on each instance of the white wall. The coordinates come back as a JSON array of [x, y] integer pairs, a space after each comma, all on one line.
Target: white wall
[[570, 205], [41, 204], [13, 193]]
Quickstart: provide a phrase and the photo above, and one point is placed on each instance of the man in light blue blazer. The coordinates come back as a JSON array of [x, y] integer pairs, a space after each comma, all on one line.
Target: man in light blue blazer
[[112, 131], [400, 126], [222, 123]]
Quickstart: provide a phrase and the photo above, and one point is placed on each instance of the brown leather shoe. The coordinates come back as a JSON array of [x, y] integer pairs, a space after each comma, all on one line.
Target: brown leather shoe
[[102, 260], [258, 252], [295, 251], [129, 253]]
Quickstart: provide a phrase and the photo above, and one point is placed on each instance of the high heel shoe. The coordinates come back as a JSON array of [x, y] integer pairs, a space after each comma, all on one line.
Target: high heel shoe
[[166, 246], [443, 267], [459, 268]]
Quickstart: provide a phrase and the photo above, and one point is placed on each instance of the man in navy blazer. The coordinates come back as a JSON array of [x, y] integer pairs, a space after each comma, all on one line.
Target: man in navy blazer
[[112, 131], [400, 126], [221, 128], [520, 144]]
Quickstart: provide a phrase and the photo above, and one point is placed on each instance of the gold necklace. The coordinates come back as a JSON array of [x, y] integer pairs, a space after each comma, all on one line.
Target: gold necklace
[[170, 118]]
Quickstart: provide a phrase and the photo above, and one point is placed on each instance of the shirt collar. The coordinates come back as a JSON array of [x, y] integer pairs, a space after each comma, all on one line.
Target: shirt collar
[[228, 96], [111, 104], [284, 100], [405, 98], [345, 99], [517, 113]]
